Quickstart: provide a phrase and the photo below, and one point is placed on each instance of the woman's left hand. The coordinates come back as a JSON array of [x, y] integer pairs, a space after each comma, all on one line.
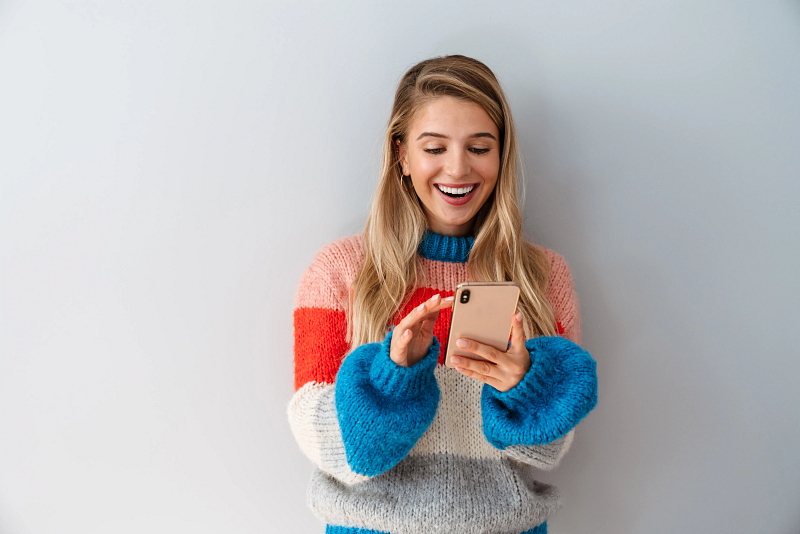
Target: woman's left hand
[[502, 370]]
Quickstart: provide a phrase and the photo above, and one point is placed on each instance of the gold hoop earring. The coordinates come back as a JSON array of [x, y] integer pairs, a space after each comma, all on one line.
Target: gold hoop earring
[[403, 182]]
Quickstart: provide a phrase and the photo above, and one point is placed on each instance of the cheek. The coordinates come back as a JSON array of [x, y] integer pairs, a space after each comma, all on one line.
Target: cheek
[[422, 172], [489, 170], [425, 167]]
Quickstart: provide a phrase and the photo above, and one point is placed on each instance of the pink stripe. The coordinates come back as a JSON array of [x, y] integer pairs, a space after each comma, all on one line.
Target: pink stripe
[[561, 294], [327, 281], [444, 276]]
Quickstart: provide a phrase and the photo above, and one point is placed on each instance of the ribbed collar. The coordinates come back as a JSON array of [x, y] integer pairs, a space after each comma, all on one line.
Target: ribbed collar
[[445, 248]]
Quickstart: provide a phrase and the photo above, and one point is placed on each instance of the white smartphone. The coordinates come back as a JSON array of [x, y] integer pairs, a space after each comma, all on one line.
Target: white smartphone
[[482, 312]]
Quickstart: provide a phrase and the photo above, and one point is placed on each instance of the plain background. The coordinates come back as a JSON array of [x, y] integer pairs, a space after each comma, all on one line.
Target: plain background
[[168, 169]]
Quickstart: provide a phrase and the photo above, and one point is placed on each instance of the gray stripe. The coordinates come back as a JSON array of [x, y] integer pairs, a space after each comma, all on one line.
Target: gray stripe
[[438, 494], [326, 424], [545, 457]]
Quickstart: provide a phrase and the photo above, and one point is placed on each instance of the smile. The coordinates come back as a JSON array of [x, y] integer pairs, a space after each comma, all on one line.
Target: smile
[[456, 192]]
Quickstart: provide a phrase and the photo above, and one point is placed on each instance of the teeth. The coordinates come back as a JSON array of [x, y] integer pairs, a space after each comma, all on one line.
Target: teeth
[[455, 190]]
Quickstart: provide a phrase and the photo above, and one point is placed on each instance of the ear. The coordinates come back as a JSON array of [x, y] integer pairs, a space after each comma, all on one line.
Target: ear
[[402, 155]]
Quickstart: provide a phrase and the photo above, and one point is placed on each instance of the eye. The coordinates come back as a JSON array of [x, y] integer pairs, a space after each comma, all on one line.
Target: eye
[[479, 150], [434, 150]]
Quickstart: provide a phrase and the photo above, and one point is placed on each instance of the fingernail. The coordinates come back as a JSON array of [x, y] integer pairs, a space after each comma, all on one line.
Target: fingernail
[[455, 360], [463, 343], [450, 298], [518, 317], [421, 307], [435, 297]]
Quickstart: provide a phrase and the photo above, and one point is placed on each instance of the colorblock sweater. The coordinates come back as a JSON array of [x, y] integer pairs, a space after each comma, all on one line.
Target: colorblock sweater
[[425, 449]]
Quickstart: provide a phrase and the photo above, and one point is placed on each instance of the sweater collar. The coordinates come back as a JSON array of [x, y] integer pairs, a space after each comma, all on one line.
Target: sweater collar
[[445, 248]]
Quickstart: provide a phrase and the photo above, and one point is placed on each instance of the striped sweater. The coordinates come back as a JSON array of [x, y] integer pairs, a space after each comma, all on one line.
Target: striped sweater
[[426, 449]]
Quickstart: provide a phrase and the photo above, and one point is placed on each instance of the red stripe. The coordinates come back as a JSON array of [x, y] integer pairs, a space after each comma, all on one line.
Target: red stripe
[[319, 345]]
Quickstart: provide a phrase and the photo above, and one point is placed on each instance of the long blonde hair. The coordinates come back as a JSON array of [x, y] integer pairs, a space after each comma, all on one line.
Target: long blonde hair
[[396, 224]]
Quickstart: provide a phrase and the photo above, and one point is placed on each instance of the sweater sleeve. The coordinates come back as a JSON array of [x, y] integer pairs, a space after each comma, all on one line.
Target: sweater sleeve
[[357, 416], [558, 391], [384, 408], [534, 423]]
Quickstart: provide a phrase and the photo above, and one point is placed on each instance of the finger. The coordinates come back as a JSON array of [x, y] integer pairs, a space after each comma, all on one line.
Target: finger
[[413, 317], [402, 339], [486, 379], [478, 367], [517, 334], [484, 351], [420, 313], [436, 303], [447, 302], [429, 323]]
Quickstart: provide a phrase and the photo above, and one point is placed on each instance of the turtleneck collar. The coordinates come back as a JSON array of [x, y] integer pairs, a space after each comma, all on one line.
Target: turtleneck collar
[[445, 248]]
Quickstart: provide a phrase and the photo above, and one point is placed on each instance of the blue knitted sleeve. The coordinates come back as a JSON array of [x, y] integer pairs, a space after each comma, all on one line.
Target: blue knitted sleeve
[[558, 391], [383, 408]]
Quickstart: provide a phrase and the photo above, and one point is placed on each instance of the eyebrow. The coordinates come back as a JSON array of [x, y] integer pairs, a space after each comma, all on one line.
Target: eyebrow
[[473, 136]]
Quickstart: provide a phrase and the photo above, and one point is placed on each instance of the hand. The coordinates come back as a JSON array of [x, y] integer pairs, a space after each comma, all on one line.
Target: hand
[[413, 335], [503, 370]]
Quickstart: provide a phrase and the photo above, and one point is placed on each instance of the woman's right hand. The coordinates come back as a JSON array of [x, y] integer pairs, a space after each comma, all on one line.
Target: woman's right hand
[[413, 335]]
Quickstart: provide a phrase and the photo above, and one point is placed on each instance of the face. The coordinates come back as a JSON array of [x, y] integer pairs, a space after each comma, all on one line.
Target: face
[[452, 153]]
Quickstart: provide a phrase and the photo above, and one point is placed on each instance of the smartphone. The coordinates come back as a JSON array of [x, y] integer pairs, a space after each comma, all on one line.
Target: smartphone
[[482, 312]]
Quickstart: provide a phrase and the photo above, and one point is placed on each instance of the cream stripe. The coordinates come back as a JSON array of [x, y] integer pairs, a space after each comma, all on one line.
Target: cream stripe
[[313, 420], [457, 427]]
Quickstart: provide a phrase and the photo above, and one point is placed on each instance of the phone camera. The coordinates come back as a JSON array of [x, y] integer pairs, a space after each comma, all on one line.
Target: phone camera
[[465, 296]]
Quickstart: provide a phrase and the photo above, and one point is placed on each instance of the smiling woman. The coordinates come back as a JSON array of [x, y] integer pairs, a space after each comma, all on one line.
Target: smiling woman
[[401, 442], [453, 162]]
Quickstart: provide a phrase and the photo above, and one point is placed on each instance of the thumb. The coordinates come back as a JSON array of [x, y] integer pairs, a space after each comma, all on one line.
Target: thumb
[[398, 351], [517, 334]]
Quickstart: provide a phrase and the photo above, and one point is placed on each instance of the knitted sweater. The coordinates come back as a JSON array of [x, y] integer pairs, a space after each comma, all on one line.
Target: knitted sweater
[[425, 449]]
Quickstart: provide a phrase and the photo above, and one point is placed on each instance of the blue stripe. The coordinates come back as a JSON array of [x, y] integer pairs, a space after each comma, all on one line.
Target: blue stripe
[[330, 529], [446, 248]]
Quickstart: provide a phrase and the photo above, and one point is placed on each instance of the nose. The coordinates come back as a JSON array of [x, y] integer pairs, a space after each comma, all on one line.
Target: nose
[[457, 164]]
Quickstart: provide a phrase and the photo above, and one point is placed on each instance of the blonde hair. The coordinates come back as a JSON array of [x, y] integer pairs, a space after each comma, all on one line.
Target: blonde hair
[[396, 224]]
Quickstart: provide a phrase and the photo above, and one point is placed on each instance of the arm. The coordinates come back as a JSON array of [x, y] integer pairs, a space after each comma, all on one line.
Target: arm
[[384, 408], [558, 391], [370, 418], [560, 293], [344, 408]]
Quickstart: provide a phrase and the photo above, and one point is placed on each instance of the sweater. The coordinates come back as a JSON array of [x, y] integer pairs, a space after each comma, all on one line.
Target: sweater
[[425, 449]]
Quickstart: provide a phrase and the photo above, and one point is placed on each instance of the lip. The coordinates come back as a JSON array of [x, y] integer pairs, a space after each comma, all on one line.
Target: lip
[[456, 201]]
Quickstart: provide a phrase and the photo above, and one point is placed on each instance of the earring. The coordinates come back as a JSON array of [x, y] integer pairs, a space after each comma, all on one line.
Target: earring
[[403, 182]]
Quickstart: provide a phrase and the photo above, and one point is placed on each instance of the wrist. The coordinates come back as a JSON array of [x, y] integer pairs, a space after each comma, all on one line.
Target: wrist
[[395, 379], [557, 392]]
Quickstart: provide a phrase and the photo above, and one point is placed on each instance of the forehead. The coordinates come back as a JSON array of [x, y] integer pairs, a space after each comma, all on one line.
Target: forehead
[[452, 117]]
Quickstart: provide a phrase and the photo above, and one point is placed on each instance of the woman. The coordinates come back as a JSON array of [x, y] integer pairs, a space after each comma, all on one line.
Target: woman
[[403, 444]]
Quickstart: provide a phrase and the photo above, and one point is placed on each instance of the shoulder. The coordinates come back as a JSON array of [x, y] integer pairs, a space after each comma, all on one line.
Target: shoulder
[[560, 275], [326, 282]]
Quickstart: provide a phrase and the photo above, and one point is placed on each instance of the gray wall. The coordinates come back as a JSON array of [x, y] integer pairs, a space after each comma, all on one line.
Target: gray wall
[[167, 170]]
